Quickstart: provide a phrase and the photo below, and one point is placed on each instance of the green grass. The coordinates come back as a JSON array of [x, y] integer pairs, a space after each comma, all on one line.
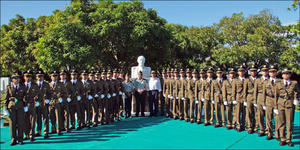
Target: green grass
[[153, 133]]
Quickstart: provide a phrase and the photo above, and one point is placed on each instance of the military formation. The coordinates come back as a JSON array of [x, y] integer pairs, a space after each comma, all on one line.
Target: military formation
[[246, 102], [91, 98]]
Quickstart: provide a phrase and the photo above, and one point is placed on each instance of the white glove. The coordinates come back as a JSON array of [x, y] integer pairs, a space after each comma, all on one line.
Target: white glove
[[6, 113], [60, 100], [213, 102], [169, 96], [25, 108], [47, 101], [225, 103], [164, 95], [202, 99], [264, 107], [177, 98], [78, 98], [172, 97], [296, 102], [245, 103], [255, 105], [114, 94], [90, 97], [197, 102], [102, 96], [69, 99], [96, 95], [120, 92], [276, 111], [108, 96], [234, 102], [37, 104], [183, 98]]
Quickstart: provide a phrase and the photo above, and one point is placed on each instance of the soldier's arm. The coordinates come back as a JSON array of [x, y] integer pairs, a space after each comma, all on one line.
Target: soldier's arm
[[297, 91], [7, 96], [212, 88], [255, 92], [202, 89], [196, 90], [233, 90], [264, 93], [276, 95], [245, 90], [224, 92]]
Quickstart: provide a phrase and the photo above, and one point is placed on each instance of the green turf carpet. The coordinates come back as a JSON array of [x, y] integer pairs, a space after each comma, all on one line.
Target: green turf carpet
[[153, 133]]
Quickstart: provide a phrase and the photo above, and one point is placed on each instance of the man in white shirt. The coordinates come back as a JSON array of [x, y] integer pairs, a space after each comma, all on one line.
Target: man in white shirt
[[154, 88]]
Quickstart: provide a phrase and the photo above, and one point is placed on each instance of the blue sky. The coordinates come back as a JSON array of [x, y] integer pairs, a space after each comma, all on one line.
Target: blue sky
[[190, 13]]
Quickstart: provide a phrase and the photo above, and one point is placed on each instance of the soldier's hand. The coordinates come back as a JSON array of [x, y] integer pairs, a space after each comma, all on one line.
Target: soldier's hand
[[234, 102], [90, 97], [78, 98], [255, 105], [202, 99], [37, 104], [296, 102], [245, 103], [47, 101], [264, 107], [276, 111], [7, 113], [69, 99], [26, 109], [225, 103], [60, 100], [213, 102]]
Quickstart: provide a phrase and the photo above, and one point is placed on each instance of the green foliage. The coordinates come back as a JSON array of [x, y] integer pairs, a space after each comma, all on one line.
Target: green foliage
[[107, 35]]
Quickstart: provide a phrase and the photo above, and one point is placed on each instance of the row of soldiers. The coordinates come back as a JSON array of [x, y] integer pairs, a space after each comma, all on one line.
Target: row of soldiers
[[234, 102], [95, 98]]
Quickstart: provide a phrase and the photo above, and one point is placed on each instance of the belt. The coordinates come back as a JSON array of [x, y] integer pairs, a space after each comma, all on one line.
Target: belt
[[272, 96], [240, 92], [218, 92], [250, 93]]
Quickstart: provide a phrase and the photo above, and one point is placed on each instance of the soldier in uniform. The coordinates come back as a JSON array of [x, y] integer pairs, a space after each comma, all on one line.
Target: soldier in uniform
[[110, 96], [87, 98], [198, 95], [116, 95], [166, 90], [181, 94], [191, 94], [206, 95], [186, 101], [286, 93], [258, 98], [176, 87], [140, 85], [14, 105], [121, 93], [76, 103], [94, 101], [251, 109], [58, 92], [216, 96], [269, 100], [100, 88], [42, 111], [227, 98], [66, 100], [161, 97], [31, 101], [105, 98]]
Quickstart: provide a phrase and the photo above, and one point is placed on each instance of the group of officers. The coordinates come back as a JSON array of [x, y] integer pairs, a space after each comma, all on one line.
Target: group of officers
[[241, 103]]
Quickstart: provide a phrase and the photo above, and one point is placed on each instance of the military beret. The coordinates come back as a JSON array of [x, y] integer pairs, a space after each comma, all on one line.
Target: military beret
[[231, 70], [182, 71], [286, 71], [195, 71], [73, 72], [241, 68], [84, 72], [15, 75], [153, 72], [28, 73], [210, 70], [62, 72], [40, 72], [219, 70], [273, 68], [188, 70], [253, 67], [264, 68], [202, 71], [54, 73]]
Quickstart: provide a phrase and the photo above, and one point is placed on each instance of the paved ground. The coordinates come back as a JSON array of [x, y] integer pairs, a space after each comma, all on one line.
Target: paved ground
[[153, 133]]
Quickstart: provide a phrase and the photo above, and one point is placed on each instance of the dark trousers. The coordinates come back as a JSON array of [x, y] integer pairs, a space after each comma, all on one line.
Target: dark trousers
[[153, 100], [140, 103], [128, 104]]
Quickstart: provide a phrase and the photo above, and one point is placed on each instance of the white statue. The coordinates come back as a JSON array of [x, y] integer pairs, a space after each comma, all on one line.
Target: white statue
[[141, 67]]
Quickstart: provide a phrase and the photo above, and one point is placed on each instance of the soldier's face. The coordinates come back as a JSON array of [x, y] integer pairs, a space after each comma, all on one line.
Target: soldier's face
[[63, 76], [121, 75], [103, 76], [39, 77], [127, 77], [91, 77], [253, 73], [241, 73], [176, 75], [286, 76], [27, 78], [153, 75], [84, 77], [163, 75], [15, 80], [188, 75], [195, 75], [169, 74], [219, 75], [272, 74], [209, 74], [231, 75], [108, 75], [140, 76], [73, 76], [54, 77], [114, 74], [202, 75], [97, 76], [264, 73]]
